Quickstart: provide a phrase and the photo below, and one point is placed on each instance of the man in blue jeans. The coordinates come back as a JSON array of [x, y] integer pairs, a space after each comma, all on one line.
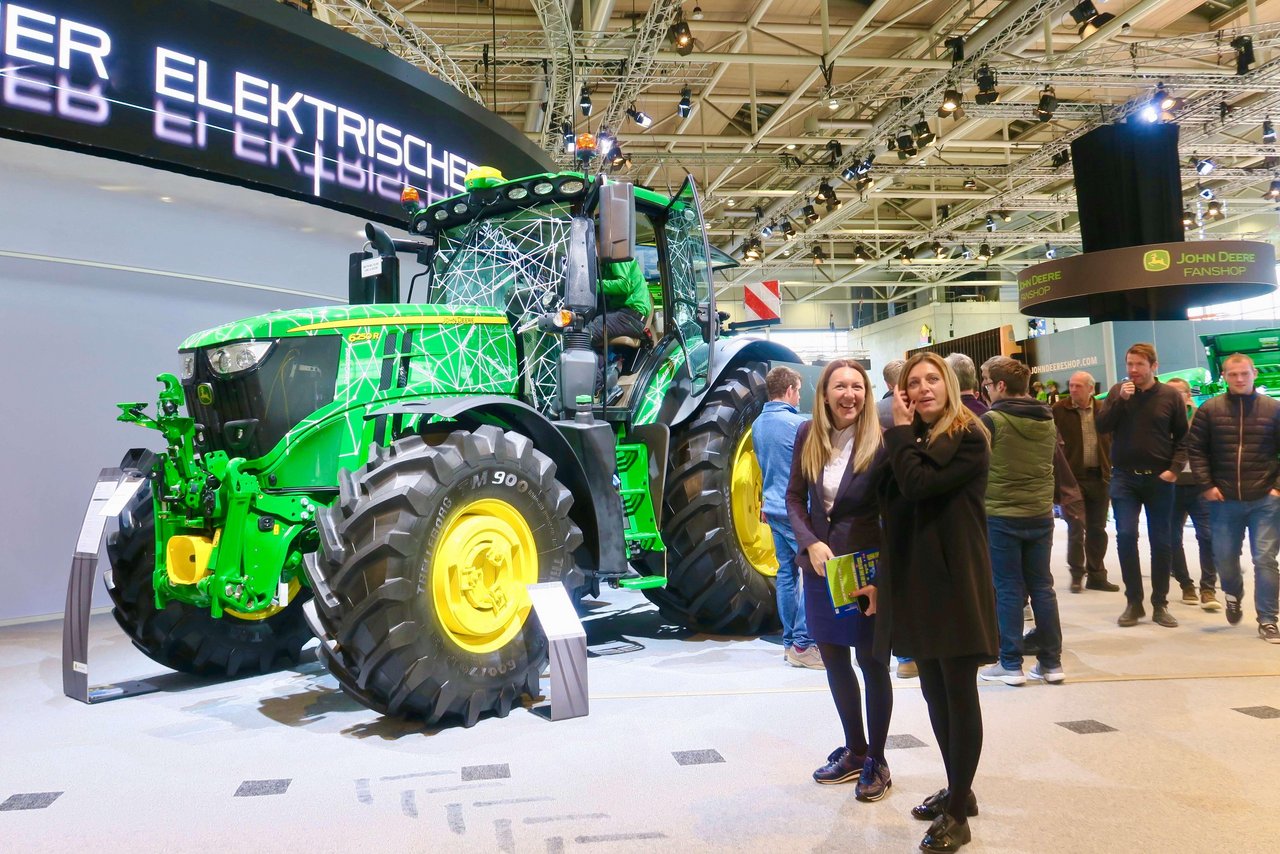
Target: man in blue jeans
[[1020, 495], [773, 436], [1233, 447], [1148, 421]]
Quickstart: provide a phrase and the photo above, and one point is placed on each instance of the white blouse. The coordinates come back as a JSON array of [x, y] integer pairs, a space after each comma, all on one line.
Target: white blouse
[[833, 473]]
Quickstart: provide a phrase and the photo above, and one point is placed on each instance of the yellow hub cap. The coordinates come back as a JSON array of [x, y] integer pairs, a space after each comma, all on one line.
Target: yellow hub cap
[[745, 487], [484, 559]]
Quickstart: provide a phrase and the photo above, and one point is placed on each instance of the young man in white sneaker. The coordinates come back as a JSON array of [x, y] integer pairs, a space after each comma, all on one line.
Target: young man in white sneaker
[[1020, 498], [1233, 447]]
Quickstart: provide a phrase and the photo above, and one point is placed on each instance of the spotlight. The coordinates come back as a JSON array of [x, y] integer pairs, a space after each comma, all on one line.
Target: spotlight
[[905, 141], [1206, 193], [766, 231], [991, 223], [944, 212], [1084, 11], [971, 183], [1149, 113], [833, 103], [753, 251], [686, 103], [640, 117], [905, 255], [731, 202], [681, 37], [834, 151], [1268, 131], [788, 230], [809, 213], [1274, 192], [566, 133], [1205, 166], [984, 252], [696, 15], [950, 102], [924, 136], [826, 193], [936, 249], [1050, 252], [1243, 46], [605, 144], [863, 183], [849, 173], [955, 44], [619, 160], [1189, 219], [1164, 99], [865, 166], [1048, 103], [986, 80], [966, 253], [1214, 210], [1062, 158], [1088, 28], [818, 256], [860, 255], [584, 101], [1005, 215]]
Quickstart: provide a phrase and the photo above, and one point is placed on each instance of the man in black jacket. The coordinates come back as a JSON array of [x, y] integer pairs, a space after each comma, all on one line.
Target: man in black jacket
[[1089, 453], [1233, 449], [1147, 422]]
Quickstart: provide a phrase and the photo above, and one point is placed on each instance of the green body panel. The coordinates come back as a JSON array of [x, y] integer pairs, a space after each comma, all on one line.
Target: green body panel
[[641, 532]]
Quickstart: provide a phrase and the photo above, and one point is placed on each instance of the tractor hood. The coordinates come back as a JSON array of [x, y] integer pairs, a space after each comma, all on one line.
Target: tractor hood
[[342, 319]]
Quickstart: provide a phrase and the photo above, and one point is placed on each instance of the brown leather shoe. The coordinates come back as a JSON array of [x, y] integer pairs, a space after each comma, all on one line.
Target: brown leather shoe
[[1132, 613], [1161, 617], [1100, 583], [1077, 583]]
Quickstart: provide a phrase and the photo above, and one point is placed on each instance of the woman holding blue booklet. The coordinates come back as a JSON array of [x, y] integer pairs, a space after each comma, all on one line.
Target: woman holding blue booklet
[[831, 502]]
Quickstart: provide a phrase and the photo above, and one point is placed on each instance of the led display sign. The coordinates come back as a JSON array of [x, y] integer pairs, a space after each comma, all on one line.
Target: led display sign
[[250, 92]]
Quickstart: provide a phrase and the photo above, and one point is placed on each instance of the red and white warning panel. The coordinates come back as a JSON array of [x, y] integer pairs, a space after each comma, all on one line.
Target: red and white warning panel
[[763, 302]]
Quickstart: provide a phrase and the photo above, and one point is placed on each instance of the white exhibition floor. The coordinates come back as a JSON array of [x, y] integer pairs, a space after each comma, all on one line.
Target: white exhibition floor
[[286, 762]]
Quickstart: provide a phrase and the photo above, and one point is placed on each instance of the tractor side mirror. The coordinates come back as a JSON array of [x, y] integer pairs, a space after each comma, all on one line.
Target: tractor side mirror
[[580, 268], [617, 222]]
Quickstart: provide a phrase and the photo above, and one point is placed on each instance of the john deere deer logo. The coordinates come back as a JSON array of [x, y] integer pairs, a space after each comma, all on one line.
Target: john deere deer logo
[[204, 393], [1156, 260]]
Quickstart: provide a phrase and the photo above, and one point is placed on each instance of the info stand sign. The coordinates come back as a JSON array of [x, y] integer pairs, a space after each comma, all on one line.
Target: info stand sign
[[1154, 282]]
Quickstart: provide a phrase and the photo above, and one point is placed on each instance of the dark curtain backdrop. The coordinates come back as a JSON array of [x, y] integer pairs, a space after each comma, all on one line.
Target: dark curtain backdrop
[[1127, 185]]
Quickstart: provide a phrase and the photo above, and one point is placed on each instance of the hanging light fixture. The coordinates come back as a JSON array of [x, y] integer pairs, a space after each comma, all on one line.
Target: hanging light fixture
[[640, 117], [1214, 210], [1047, 105], [686, 102], [1189, 219], [924, 136], [951, 100], [681, 36], [906, 255], [860, 255], [809, 213], [1050, 252], [1274, 192], [1204, 166], [766, 230], [567, 135], [985, 77], [696, 15], [1268, 131], [971, 183], [825, 192], [984, 252], [818, 256], [584, 100], [990, 223], [754, 251], [788, 229], [1243, 46]]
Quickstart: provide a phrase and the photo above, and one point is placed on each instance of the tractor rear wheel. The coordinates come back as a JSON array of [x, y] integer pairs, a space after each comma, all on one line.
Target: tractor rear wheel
[[422, 571], [721, 564], [181, 636]]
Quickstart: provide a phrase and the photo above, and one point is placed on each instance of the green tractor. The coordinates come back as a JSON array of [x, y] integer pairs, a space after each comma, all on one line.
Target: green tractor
[[389, 476]]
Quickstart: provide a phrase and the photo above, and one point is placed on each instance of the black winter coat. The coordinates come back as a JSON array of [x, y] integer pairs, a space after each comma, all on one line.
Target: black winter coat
[[940, 601], [1233, 444]]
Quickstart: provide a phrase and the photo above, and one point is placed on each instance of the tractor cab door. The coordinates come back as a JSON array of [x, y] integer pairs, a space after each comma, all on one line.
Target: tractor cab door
[[691, 310]]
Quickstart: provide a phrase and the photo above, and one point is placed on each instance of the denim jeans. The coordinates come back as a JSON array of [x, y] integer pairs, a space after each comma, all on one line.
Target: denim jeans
[[1130, 493], [795, 630], [1230, 520], [1188, 500], [1020, 550]]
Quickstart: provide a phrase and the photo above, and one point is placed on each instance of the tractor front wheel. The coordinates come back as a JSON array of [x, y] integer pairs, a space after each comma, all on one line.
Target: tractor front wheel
[[721, 564], [422, 572]]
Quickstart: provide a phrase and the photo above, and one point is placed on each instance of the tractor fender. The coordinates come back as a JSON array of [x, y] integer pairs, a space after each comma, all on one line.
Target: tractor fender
[[730, 354], [596, 507]]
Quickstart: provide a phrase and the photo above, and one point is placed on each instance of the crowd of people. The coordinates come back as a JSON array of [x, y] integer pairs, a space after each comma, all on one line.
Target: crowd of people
[[949, 483]]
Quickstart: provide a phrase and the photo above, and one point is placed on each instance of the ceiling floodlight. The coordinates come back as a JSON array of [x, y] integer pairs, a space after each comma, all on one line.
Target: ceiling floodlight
[[1047, 104], [985, 77], [686, 102], [584, 101]]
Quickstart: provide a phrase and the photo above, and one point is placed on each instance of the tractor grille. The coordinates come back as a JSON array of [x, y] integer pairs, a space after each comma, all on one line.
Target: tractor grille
[[296, 378]]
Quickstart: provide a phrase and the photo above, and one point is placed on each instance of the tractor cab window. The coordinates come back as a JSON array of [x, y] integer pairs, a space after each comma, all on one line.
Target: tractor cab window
[[692, 307]]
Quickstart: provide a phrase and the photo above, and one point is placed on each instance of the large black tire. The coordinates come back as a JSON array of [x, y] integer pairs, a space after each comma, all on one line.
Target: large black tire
[[378, 578], [183, 637], [711, 585]]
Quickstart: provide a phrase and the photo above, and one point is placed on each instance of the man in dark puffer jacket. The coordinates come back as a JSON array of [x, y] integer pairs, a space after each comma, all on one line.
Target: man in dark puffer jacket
[[1233, 447]]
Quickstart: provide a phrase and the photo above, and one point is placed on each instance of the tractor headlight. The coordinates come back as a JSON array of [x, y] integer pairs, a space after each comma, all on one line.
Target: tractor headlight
[[188, 365], [234, 358]]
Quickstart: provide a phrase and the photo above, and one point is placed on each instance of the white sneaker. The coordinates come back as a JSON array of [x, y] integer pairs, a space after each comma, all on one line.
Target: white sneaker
[[1052, 675], [997, 673], [808, 657]]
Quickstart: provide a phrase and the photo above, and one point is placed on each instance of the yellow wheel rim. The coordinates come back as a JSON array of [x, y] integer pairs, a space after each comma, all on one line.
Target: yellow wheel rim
[[745, 487], [294, 587], [484, 559]]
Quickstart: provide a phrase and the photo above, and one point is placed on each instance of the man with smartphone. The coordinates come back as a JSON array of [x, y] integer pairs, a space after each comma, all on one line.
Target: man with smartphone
[[1148, 423]]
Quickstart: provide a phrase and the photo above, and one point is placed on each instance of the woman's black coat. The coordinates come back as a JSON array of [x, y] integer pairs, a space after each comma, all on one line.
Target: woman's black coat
[[935, 562]]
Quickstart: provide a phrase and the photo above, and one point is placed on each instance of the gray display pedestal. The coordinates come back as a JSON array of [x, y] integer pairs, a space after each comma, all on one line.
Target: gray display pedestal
[[568, 644]]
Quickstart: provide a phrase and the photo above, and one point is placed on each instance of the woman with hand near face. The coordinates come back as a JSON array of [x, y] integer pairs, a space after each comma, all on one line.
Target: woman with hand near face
[[937, 600], [831, 501]]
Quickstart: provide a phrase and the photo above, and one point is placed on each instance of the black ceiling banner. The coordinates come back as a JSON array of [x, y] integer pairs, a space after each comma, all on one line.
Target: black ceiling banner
[[248, 92]]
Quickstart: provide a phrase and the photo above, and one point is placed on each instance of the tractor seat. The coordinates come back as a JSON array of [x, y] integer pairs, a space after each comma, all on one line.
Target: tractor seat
[[636, 343]]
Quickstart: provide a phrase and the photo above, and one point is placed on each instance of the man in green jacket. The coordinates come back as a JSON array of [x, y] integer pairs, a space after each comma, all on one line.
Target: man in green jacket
[[1020, 497], [626, 299]]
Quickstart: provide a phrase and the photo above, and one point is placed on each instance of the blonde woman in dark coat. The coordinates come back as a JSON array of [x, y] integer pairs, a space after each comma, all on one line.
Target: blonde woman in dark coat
[[936, 601]]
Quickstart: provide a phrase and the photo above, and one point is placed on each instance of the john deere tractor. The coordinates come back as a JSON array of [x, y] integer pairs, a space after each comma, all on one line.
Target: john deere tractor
[[389, 475]]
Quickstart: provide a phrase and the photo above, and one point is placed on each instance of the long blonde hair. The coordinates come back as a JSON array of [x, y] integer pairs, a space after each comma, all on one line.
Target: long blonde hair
[[867, 438], [956, 417]]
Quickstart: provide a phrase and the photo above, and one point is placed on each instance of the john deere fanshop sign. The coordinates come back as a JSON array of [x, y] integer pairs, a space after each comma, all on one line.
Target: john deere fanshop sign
[[1154, 282]]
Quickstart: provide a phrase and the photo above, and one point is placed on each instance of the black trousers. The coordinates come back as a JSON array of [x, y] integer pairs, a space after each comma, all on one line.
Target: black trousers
[[622, 323], [1087, 543]]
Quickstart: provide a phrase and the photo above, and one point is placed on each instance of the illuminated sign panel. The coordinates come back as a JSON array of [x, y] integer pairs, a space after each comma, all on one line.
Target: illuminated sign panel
[[250, 92]]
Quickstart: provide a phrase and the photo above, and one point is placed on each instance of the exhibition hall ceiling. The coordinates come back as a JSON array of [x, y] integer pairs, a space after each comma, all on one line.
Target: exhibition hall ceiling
[[780, 99]]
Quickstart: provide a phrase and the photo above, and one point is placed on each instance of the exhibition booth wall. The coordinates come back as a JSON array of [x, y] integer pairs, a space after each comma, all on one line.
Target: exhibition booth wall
[[105, 267]]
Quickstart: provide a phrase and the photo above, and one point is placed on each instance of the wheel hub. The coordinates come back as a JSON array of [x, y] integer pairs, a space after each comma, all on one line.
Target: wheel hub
[[484, 560], [745, 497]]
